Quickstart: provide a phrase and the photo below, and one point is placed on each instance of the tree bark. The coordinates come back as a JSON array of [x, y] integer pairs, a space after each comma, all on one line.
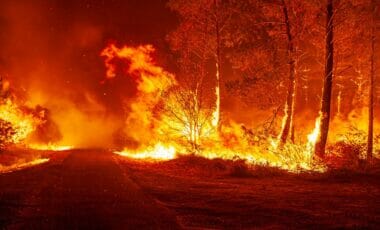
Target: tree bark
[[327, 86], [371, 88], [290, 99]]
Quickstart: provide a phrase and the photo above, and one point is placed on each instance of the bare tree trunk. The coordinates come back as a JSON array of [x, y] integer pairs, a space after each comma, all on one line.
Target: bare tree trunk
[[292, 135], [216, 114], [327, 87], [289, 106], [371, 88]]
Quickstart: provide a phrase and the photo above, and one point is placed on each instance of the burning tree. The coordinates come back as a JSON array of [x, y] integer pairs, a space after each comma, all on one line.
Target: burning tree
[[6, 130], [187, 116], [202, 30], [323, 124], [290, 101], [6, 133], [162, 110], [371, 83]]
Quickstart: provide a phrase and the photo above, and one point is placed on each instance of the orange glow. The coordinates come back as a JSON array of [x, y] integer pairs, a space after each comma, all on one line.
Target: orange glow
[[151, 82], [216, 114], [22, 165], [50, 147], [162, 136], [158, 152], [313, 136], [22, 124]]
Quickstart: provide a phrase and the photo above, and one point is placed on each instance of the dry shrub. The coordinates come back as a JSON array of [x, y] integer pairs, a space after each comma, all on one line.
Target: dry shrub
[[240, 169], [196, 166], [6, 133], [345, 155], [192, 165]]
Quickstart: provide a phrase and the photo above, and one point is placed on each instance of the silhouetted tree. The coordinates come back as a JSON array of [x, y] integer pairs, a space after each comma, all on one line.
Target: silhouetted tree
[[201, 33], [327, 83], [371, 84]]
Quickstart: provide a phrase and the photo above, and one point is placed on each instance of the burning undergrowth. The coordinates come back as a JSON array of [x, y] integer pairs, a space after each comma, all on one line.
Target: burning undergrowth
[[166, 120]]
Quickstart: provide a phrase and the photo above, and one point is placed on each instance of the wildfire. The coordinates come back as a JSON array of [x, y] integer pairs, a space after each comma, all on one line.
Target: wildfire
[[151, 82], [216, 113], [313, 136], [50, 147], [152, 128], [158, 152], [21, 125]]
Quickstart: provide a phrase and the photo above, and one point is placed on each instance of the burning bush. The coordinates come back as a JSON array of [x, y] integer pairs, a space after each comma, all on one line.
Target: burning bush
[[350, 149], [6, 133], [187, 118], [47, 130], [345, 155], [19, 123]]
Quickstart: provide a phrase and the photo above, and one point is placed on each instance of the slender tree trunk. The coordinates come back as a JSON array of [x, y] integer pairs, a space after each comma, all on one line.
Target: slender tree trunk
[[287, 126], [292, 124], [217, 115], [327, 87], [371, 88]]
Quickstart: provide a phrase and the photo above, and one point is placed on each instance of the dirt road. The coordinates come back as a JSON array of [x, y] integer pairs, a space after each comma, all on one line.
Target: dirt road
[[78, 190]]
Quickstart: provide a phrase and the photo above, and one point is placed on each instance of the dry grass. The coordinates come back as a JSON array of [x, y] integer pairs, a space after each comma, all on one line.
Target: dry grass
[[229, 194]]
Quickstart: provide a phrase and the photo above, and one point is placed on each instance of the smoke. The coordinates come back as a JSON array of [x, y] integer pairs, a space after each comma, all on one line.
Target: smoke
[[49, 51]]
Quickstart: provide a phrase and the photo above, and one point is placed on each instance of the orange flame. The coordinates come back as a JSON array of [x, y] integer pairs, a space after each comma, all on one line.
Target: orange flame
[[151, 82], [158, 152], [313, 136], [150, 127], [22, 124]]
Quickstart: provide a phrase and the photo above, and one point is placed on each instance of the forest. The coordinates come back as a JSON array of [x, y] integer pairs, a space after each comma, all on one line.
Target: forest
[[290, 84], [189, 114]]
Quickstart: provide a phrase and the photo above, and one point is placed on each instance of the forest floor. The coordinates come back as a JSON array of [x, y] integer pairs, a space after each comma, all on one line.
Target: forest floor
[[81, 189], [220, 194]]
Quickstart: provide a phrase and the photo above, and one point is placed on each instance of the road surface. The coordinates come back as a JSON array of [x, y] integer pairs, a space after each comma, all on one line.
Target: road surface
[[78, 190]]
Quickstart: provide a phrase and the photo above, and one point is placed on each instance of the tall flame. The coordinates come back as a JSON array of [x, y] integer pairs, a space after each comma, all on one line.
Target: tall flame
[[313, 136], [151, 82], [216, 113]]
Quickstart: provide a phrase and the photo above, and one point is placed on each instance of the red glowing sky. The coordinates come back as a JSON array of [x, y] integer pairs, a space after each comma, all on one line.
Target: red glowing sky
[[54, 45]]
